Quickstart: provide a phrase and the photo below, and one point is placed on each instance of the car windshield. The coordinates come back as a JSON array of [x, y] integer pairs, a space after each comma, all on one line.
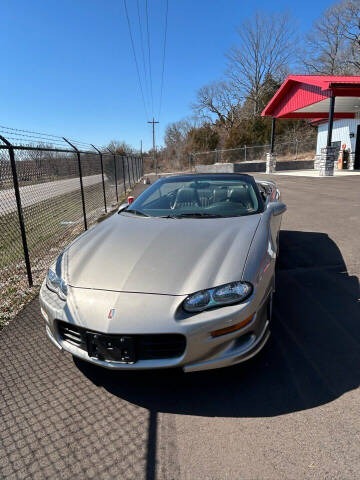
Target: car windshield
[[199, 196]]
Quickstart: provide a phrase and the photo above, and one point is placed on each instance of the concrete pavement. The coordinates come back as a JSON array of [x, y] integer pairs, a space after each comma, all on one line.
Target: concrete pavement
[[291, 412]]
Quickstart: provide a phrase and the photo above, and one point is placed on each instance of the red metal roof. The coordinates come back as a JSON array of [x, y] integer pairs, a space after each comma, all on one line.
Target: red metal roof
[[300, 91]]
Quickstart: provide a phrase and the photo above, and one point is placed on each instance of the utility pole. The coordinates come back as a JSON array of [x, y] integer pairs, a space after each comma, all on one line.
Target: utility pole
[[141, 160], [154, 151]]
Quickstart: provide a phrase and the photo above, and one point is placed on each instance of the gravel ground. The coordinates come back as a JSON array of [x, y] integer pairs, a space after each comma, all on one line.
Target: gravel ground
[[292, 412]]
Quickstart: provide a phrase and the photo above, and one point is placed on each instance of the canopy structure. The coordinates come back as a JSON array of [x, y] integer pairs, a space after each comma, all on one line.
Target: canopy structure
[[309, 96], [313, 97]]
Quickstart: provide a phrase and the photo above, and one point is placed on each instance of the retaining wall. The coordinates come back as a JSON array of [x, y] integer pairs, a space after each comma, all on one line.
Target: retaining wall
[[254, 166]]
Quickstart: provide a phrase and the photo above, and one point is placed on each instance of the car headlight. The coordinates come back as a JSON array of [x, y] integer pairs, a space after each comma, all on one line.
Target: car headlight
[[56, 284], [228, 294]]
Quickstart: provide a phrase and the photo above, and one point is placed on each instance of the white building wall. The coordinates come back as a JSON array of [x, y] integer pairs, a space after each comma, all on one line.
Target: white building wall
[[341, 133]]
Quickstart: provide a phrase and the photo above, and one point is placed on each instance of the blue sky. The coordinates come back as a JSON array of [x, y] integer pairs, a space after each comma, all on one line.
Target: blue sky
[[68, 67]]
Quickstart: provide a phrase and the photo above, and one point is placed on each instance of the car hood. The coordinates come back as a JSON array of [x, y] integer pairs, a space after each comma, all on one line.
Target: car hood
[[164, 256]]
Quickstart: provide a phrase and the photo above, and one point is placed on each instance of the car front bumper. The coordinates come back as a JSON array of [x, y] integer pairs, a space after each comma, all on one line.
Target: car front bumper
[[159, 314]]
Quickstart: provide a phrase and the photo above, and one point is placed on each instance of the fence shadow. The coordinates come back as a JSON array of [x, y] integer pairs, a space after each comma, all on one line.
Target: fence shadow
[[309, 360]]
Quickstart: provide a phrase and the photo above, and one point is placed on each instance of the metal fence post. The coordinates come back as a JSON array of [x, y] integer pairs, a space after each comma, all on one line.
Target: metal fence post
[[132, 169], [81, 180], [115, 173], [19, 209], [116, 179], [245, 153], [102, 175], [128, 167], [124, 180]]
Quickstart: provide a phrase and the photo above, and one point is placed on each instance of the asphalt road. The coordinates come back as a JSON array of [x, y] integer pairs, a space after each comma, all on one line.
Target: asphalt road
[[290, 413], [38, 192]]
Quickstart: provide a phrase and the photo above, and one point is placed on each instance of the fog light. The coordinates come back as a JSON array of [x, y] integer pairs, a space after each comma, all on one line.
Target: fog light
[[232, 328]]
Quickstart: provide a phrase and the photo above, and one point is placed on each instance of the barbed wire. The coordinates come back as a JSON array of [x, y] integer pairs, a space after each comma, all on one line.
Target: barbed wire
[[29, 131], [29, 138]]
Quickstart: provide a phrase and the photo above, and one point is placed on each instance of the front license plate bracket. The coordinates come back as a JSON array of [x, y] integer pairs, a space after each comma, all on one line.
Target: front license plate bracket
[[115, 348]]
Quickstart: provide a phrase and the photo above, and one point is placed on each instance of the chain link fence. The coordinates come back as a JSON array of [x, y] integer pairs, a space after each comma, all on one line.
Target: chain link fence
[[51, 190], [294, 150]]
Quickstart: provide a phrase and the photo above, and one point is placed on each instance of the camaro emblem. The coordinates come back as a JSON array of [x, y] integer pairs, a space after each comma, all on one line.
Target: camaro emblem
[[111, 314]]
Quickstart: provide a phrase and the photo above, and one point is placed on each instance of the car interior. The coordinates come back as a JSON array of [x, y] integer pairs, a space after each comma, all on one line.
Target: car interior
[[211, 198]]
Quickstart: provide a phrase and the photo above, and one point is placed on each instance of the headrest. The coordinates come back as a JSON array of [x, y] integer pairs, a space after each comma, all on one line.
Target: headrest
[[240, 195], [220, 195], [186, 195]]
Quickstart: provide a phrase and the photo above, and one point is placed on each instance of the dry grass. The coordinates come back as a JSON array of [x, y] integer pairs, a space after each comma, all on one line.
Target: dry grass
[[47, 235]]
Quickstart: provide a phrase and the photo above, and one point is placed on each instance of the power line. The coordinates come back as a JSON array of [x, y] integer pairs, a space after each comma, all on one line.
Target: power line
[[136, 62], [163, 60], [142, 51], [149, 54]]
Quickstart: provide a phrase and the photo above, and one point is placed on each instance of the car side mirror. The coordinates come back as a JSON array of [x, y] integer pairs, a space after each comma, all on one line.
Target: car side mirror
[[277, 208], [122, 207]]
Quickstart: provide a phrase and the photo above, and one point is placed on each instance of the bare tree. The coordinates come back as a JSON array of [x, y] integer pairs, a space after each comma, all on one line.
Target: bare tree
[[121, 148], [266, 46], [176, 135], [326, 48], [217, 99], [351, 32]]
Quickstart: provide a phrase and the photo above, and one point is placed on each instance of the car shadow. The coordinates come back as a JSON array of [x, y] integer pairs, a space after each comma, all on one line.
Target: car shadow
[[312, 356]]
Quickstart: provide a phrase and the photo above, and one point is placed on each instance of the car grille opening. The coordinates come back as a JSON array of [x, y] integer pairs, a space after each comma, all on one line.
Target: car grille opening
[[71, 333], [148, 346]]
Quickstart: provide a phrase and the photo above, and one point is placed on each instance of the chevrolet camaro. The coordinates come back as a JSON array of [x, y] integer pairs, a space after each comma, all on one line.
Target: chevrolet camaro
[[181, 277]]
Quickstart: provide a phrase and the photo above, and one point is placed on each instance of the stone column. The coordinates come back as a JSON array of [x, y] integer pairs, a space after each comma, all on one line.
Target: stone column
[[328, 157], [317, 162], [351, 160], [270, 162]]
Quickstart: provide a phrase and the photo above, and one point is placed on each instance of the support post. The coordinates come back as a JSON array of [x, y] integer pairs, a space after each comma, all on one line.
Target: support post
[[271, 156], [245, 153], [115, 175], [331, 121], [327, 160], [102, 175], [272, 140], [81, 180], [351, 160], [19, 209], [328, 153]]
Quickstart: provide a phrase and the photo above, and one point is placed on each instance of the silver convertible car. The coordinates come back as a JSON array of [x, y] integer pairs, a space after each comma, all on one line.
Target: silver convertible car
[[181, 277]]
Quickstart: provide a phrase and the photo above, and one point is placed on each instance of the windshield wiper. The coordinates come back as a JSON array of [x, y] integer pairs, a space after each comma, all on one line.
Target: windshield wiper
[[194, 215], [137, 212]]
